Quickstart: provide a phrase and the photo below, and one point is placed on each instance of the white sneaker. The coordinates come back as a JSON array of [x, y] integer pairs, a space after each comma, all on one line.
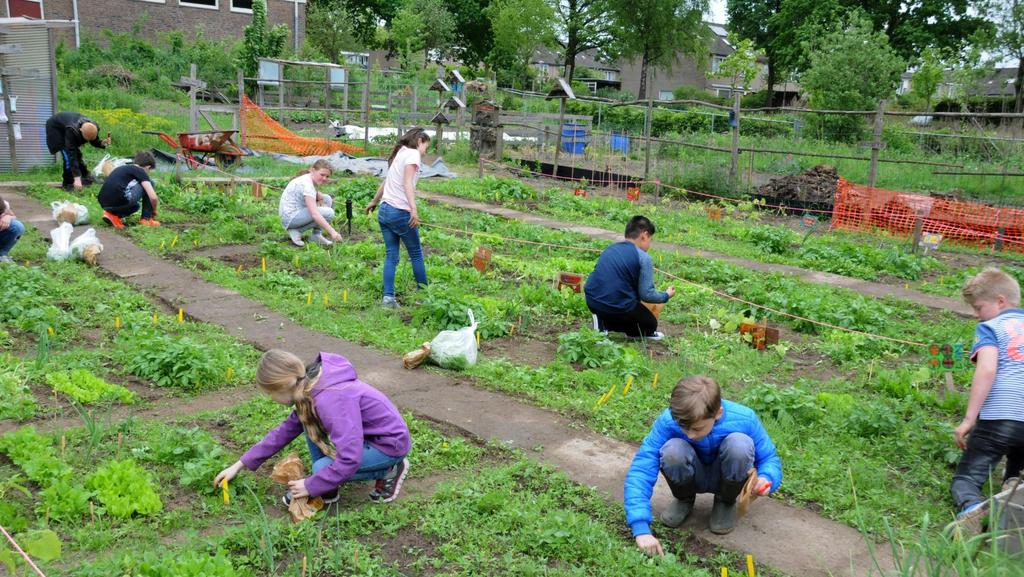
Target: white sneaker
[[318, 238], [389, 303], [657, 336], [296, 236], [6, 259]]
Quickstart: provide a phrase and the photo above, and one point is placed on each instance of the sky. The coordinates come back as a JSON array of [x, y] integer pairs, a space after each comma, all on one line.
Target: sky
[[717, 11]]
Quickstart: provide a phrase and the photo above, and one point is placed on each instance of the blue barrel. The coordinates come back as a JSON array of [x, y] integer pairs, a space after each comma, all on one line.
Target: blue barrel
[[620, 143], [574, 138]]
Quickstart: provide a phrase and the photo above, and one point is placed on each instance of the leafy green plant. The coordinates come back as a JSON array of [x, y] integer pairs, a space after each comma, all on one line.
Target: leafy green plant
[[43, 545], [16, 401], [588, 348], [171, 361], [124, 489], [195, 453], [85, 387], [35, 455], [183, 563], [64, 500], [772, 239]]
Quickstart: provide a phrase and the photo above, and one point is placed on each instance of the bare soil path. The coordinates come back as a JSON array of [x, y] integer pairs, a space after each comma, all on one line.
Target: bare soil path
[[795, 541], [864, 287]]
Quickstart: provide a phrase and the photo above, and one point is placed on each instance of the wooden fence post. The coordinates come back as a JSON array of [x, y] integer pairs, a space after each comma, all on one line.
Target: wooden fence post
[[876, 145], [558, 135], [647, 137], [193, 115], [734, 123], [241, 98], [366, 109]]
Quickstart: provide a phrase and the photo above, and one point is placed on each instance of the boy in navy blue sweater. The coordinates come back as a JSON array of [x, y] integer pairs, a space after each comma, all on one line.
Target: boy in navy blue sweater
[[623, 280]]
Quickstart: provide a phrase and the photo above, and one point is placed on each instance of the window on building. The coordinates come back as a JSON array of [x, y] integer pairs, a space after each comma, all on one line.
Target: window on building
[[241, 6], [665, 95], [26, 8], [200, 3], [716, 63], [543, 69], [723, 92], [611, 75]]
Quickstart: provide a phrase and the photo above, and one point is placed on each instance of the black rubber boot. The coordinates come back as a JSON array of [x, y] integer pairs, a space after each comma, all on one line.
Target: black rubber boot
[[723, 513], [681, 507]]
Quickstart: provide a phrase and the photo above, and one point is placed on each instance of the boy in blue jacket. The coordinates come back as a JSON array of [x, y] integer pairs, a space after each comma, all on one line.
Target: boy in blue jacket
[[701, 444]]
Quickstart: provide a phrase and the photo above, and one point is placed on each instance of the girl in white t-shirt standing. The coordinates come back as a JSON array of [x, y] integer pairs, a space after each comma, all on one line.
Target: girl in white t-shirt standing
[[303, 207], [398, 219]]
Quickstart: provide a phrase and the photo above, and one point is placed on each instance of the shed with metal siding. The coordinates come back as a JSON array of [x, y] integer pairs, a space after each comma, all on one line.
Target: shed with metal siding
[[29, 84]]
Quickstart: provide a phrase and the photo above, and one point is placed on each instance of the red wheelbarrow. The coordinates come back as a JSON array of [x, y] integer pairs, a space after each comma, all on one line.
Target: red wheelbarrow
[[197, 147]]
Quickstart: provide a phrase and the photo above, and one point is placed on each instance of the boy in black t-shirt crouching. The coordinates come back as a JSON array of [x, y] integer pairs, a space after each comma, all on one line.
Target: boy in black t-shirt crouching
[[126, 188]]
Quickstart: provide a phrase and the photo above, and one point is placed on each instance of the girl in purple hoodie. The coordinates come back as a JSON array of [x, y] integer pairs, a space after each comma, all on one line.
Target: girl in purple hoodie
[[353, 431]]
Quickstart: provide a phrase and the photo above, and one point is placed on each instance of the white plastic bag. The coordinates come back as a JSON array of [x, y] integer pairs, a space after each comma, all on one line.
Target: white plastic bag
[[455, 349], [107, 165], [67, 211], [60, 249], [87, 247]]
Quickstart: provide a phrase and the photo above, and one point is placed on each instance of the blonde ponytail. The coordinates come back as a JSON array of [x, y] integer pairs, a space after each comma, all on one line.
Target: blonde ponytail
[[282, 372]]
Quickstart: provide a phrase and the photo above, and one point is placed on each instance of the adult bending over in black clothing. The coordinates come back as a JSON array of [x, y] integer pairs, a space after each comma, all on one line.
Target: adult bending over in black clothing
[[66, 132], [623, 280], [127, 188]]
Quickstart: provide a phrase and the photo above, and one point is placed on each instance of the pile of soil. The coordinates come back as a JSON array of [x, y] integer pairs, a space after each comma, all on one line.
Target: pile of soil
[[816, 186]]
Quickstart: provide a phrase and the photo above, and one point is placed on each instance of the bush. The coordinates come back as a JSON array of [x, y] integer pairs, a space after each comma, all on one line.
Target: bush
[[124, 489]]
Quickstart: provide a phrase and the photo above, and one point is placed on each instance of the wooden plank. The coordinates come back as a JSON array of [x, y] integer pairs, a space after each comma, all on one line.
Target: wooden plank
[[192, 82]]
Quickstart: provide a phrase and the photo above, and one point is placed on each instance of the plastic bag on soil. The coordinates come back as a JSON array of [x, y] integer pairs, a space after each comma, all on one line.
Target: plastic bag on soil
[[455, 349], [290, 469], [87, 247], [107, 165], [413, 359], [67, 211], [60, 248]]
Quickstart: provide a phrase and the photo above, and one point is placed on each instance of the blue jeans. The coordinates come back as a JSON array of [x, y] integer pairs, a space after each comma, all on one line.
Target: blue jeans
[[133, 198], [394, 225], [375, 464], [681, 466], [10, 235], [986, 446]]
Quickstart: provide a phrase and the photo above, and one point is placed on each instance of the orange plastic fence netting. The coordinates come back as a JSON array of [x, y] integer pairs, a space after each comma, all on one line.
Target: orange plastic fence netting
[[861, 208], [264, 133]]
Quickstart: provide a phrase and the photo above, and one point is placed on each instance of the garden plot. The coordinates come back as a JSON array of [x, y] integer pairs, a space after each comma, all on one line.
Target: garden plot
[[742, 229], [883, 389]]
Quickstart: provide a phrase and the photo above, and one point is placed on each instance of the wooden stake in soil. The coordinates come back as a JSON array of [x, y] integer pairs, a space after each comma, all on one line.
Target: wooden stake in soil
[[629, 383], [174, 241], [156, 319], [181, 316], [227, 500], [92, 513], [309, 298], [344, 296], [327, 301], [654, 383], [230, 372], [263, 264], [303, 566], [725, 572], [750, 566], [63, 445]]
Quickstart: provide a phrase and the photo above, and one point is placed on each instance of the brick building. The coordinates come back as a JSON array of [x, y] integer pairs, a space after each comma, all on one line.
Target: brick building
[[217, 19]]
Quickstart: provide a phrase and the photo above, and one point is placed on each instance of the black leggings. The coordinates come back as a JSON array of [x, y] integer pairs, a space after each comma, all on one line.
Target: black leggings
[[635, 323]]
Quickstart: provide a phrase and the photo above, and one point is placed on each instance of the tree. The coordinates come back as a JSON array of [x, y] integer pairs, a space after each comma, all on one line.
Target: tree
[[753, 19], [1009, 41], [971, 67], [258, 42], [852, 68], [423, 25], [582, 25], [365, 16], [740, 67], [330, 30], [925, 80], [519, 26], [797, 25], [659, 31], [474, 36]]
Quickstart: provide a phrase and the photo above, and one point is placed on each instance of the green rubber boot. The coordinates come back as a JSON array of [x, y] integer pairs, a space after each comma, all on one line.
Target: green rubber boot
[[676, 513], [724, 512]]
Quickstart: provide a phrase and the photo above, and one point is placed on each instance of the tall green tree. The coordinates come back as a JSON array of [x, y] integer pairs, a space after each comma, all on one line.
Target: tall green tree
[[853, 68], [423, 25], [258, 42], [519, 26], [752, 19], [1008, 17], [926, 79], [582, 25], [330, 30], [658, 32], [366, 16], [474, 36]]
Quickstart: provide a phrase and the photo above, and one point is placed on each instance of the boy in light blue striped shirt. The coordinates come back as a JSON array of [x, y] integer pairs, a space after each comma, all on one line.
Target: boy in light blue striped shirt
[[993, 426]]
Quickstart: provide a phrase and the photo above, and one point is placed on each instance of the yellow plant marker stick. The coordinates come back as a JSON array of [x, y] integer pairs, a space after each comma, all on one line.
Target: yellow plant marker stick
[[263, 264], [344, 296], [174, 241], [224, 489], [750, 566], [117, 323], [725, 572], [195, 242], [163, 244], [654, 383], [181, 316], [63, 445], [230, 372], [326, 300], [604, 398], [295, 261], [239, 269], [511, 330], [478, 339], [155, 319], [629, 383], [49, 331], [309, 298]]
